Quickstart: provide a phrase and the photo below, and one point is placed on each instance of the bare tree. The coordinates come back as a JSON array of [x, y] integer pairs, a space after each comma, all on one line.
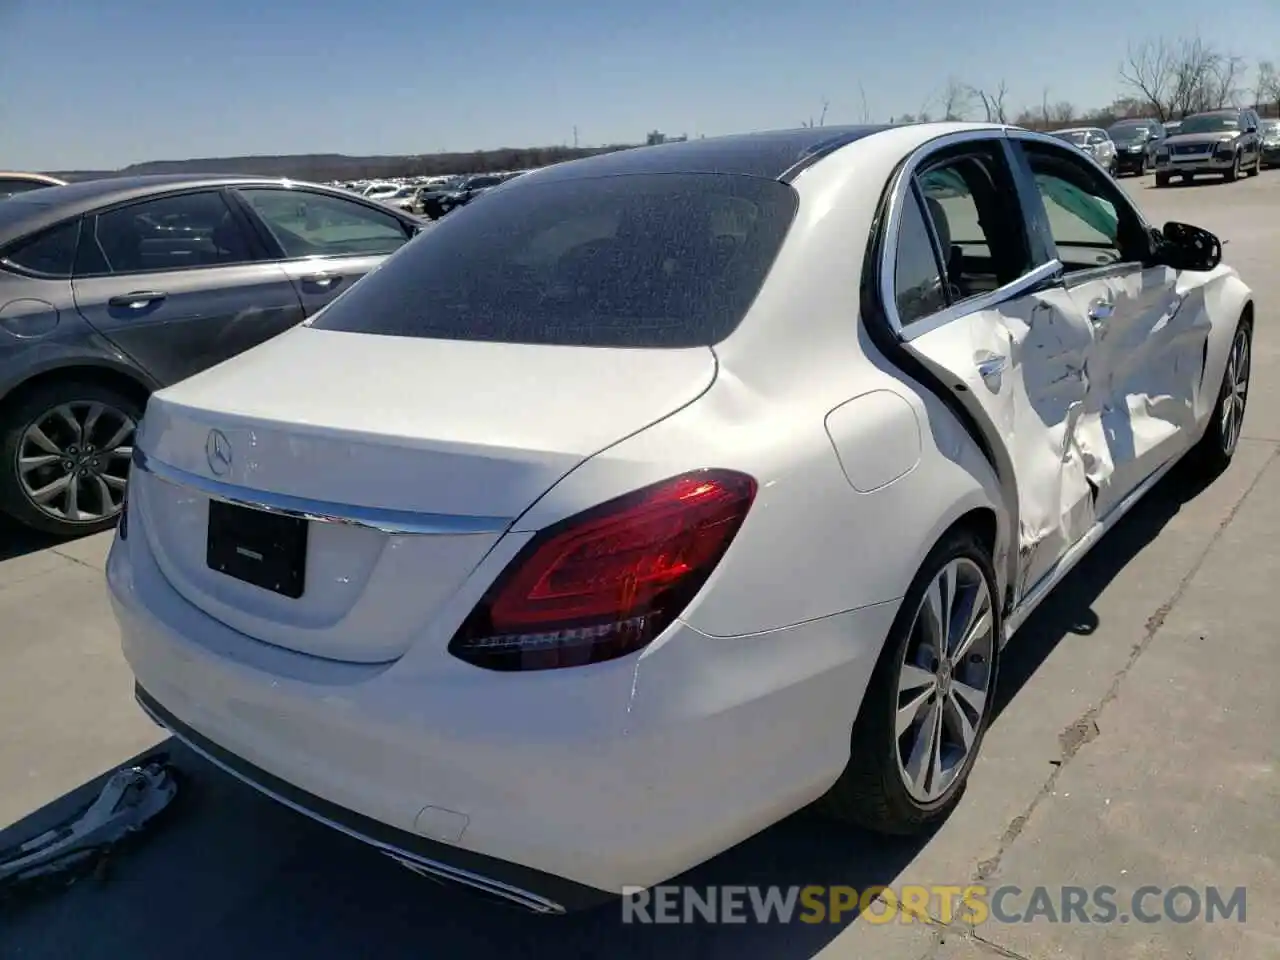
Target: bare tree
[[822, 117], [956, 99], [1149, 70], [1062, 112], [1183, 77], [1267, 86], [993, 102]]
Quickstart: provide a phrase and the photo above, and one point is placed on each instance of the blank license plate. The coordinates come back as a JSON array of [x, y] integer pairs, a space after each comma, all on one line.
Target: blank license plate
[[265, 549]]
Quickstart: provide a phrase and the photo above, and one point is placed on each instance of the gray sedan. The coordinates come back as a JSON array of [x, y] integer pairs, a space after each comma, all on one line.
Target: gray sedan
[[111, 289]]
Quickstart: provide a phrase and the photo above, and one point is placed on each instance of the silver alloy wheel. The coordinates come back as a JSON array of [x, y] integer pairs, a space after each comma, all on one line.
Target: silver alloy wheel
[[73, 460], [945, 680], [1236, 391]]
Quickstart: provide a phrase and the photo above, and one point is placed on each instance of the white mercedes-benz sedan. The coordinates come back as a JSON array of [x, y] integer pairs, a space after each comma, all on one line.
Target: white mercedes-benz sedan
[[655, 496]]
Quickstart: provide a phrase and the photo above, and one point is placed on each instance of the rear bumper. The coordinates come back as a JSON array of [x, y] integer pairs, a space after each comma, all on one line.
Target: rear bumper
[[539, 892], [555, 790]]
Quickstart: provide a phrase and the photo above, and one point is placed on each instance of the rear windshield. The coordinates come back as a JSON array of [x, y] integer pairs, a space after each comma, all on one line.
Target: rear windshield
[[653, 260]]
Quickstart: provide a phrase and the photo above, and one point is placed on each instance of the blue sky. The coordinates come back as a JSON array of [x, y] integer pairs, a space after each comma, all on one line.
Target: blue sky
[[104, 83]]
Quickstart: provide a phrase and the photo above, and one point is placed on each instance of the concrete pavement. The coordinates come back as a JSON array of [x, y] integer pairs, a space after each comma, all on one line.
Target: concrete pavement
[[1132, 748]]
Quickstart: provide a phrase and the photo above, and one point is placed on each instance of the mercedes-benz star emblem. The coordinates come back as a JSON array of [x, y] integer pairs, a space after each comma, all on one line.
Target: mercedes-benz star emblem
[[217, 449]]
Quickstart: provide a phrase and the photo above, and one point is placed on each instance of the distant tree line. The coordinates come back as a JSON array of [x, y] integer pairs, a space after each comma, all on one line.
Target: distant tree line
[[327, 167]]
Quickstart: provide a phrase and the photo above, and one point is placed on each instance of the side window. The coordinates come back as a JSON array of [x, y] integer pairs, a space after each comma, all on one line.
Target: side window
[[1090, 223], [961, 233], [969, 200], [918, 287], [50, 254], [309, 224], [167, 233]]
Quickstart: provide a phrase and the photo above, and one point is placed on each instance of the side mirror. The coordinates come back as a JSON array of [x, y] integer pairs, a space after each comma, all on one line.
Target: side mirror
[[1185, 247]]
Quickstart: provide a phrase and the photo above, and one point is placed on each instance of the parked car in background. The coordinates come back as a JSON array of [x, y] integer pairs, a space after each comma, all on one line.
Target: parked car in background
[[437, 205], [1136, 141], [380, 190], [112, 288], [1222, 142], [429, 195], [1093, 141], [1269, 131], [482, 565], [405, 198], [1171, 127], [13, 183]]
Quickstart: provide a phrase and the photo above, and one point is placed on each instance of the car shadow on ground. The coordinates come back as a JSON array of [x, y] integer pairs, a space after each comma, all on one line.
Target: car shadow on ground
[[231, 873], [18, 541], [1180, 184]]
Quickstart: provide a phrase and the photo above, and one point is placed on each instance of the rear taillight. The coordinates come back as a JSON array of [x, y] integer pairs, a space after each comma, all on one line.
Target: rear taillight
[[604, 583]]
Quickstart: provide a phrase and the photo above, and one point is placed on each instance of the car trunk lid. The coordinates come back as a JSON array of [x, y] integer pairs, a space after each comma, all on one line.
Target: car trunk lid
[[406, 460]]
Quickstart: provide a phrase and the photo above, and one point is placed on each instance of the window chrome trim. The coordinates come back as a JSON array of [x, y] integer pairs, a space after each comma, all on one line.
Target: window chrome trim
[[402, 522], [1042, 276]]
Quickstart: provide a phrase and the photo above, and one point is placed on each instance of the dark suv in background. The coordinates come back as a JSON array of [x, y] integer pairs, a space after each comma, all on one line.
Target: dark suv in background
[[1136, 141], [1223, 142]]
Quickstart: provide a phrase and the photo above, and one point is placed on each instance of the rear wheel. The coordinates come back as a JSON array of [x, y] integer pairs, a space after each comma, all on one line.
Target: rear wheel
[[64, 457], [1257, 165], [929, 701], [1162, 179]]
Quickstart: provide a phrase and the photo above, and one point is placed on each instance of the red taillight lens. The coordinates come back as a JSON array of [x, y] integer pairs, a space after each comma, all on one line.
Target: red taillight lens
[[604, 583]]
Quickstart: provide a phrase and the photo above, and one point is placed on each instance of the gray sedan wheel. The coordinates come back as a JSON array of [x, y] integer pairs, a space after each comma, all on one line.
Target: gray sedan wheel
[[66, 450]]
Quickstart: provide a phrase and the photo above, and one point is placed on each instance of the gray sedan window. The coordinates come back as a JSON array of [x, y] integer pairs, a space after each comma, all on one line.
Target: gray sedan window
[[318, 225], [169, 233], [50, 254]]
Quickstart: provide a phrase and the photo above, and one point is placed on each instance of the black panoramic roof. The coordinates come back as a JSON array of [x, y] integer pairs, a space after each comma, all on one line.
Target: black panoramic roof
[[771, 155]]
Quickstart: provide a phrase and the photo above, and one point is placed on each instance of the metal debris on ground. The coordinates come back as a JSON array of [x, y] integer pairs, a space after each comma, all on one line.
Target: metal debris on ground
[[130, 798]]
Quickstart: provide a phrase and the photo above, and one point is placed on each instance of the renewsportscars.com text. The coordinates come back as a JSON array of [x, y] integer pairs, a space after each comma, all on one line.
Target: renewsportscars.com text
[[969, 904]]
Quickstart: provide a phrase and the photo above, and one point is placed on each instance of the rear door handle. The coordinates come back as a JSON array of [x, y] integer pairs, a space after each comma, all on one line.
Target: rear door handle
[[137, 299], [325, 281]]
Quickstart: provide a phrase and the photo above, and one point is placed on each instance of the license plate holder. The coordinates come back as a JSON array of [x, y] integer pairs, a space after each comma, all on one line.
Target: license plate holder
[[267, 550]]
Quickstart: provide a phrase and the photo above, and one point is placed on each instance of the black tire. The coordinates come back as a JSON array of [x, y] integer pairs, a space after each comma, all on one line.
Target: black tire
[[870, 792], [17, 417], [1213, 454], [1162, 179], [1257, 166], [1234, 173]]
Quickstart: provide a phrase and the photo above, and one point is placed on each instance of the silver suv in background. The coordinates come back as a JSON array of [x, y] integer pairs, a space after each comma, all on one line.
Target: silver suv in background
[[1093, 141]]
